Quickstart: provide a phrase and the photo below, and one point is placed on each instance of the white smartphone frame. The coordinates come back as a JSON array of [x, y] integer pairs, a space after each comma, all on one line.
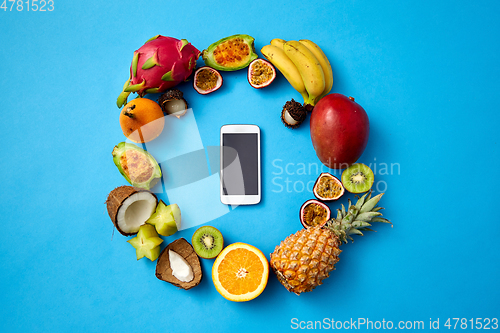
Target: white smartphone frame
[[240, 199]]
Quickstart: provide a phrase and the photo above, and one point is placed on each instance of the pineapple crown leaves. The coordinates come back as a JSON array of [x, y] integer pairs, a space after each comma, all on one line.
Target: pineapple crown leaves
[[357, 218]]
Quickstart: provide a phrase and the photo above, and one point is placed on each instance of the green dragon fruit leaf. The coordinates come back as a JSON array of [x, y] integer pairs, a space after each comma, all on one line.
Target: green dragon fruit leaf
[[152, 90], [135, 87], [135, 60], [168, 76], [122, 98], [151, 62], [184, 43], [152, 38]]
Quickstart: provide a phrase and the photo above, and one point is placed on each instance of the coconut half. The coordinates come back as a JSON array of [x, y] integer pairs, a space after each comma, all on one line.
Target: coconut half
[[129, 208], [180, 267], [165, 271]]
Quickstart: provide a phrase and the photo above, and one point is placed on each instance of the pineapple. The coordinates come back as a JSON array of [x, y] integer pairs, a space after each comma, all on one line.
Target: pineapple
[[303, 260]]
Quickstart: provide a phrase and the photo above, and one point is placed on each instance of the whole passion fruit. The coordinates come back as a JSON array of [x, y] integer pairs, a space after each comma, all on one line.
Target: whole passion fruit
[[314, 213], [328, 187], [261, 73], [207, 80]]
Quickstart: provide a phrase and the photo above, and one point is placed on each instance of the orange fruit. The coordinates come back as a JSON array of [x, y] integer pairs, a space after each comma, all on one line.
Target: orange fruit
[[240, 272], [142, 120]]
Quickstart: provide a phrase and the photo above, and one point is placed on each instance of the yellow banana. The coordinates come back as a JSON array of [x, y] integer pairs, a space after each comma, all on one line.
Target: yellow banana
[[280, 60], [278, 42], [325, 64], [309, 68]]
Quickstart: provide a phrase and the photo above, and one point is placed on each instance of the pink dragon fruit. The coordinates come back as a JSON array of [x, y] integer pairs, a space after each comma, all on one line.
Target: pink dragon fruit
[[160, 64]]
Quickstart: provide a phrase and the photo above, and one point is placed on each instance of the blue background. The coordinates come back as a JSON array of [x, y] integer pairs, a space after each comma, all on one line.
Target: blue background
[[426, 72]]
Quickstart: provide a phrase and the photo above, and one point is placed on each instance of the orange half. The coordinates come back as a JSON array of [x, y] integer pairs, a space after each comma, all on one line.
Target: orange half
[[240, 272]]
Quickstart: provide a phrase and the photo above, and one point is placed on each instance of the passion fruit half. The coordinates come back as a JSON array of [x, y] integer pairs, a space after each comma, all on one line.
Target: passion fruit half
[[207, 80], [328, 187], [261, 73], [314, 213]]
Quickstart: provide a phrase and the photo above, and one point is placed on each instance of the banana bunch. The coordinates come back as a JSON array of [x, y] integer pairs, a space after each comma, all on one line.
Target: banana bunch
[[304, 65]]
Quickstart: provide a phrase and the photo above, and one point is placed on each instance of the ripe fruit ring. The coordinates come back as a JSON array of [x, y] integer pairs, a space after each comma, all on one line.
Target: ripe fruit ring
[[240, 272]]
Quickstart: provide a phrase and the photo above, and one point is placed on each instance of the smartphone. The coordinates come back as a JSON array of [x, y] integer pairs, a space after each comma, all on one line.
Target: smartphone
[[240, 177]]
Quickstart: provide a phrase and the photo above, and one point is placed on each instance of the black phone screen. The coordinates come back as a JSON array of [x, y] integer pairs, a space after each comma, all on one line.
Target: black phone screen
[[240, 160]]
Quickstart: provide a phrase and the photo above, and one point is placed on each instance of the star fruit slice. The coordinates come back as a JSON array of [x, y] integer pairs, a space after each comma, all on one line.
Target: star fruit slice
[[146, 243], [166, 219]]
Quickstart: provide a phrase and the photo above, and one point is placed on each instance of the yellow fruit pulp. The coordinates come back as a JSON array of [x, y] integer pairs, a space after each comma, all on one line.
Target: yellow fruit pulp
[[232, 53]]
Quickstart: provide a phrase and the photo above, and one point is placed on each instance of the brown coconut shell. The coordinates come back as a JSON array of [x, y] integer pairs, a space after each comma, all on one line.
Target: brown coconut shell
[[115, 201], [184, 249]]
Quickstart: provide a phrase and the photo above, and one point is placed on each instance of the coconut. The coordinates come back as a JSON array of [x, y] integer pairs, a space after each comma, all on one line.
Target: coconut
[[181, 269], [164, 270], [130, 207]]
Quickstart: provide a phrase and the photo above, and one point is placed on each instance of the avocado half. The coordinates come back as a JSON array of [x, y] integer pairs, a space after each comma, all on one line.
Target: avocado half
[[138, 166], [230, 53]]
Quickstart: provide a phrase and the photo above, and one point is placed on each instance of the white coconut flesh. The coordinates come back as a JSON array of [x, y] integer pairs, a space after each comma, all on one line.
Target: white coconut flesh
[[135, 211], [289, 120], [180, 267]]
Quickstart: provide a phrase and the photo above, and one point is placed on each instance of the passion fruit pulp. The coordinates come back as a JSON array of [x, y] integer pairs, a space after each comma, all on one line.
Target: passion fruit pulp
[[207, 80], [261, 73], [231, 53], [328, 187], [314, 213]]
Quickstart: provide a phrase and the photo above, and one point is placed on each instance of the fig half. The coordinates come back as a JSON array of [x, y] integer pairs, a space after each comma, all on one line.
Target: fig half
[[328, 187], [314, 213], [261, 73], [207, 80]]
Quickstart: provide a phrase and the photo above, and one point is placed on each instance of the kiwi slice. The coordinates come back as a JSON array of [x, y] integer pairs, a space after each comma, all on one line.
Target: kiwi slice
[[207, 242], [358, 178]]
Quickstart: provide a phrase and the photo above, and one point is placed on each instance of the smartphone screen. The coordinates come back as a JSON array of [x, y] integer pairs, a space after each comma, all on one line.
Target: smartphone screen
[[240, 164], [245, 147]]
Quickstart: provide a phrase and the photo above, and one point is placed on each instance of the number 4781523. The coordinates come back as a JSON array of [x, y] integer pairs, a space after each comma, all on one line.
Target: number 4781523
[[33, 5]]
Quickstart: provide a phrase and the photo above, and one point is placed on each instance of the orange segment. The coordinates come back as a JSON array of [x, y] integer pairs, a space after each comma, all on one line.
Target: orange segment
[[240, 272]]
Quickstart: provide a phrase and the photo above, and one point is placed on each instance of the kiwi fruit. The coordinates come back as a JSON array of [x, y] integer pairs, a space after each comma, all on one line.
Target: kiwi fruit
[[358, 178], [207, 242]]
